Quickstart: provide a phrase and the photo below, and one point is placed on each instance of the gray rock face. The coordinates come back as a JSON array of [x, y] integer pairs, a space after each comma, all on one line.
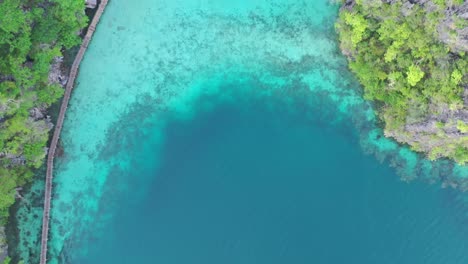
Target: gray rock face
[[453, 29], [438, 129], [55, 74], [3, 245], [37, 113]]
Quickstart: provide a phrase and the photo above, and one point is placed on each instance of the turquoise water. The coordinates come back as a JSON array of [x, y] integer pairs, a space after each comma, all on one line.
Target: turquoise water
[[220, 132]]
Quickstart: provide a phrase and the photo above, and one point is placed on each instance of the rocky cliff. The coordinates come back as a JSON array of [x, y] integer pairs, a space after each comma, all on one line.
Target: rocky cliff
[[411, 58]]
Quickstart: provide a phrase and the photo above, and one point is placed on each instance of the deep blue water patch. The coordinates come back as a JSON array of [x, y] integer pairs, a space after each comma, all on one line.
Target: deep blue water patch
[[244, 182]]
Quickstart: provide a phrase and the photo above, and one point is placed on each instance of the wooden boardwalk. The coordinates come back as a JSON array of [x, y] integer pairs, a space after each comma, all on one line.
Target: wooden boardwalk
[[58, 128]]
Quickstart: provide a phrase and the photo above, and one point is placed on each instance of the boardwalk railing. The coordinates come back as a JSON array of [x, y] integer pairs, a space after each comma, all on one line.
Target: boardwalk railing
[[58, 128]]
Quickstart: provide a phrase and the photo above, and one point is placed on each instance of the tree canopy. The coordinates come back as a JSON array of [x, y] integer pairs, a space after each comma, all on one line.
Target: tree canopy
[[418, 81], [32, 34]]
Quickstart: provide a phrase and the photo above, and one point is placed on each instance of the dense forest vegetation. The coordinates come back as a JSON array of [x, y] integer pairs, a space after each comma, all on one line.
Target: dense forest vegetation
[[32, 34], [416, 79]]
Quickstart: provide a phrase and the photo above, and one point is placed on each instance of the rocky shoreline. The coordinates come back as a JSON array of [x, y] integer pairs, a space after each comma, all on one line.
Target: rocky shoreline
[[433, 126], [58, 75]]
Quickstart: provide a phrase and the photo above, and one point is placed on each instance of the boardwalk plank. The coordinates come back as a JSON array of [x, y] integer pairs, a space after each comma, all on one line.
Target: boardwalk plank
[[58, 129]]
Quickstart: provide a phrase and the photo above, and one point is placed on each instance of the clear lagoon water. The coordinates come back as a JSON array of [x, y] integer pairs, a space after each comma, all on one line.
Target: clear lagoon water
[[215, 131]]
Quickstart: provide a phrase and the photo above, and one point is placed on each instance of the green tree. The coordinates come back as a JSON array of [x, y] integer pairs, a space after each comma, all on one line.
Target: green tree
[[396, 55], [414, 75], [358, 24], [32, 34]]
